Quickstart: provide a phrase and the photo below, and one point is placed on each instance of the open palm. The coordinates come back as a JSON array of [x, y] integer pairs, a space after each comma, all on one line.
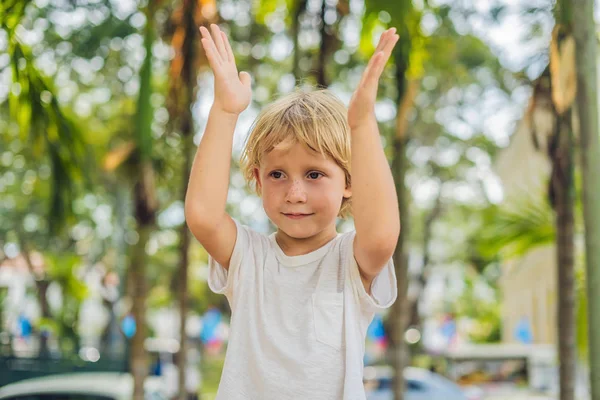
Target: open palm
[[233, 91], [362, 103]]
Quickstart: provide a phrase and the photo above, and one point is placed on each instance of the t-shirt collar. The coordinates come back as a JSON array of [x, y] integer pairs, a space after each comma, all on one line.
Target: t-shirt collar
[[295, 261]]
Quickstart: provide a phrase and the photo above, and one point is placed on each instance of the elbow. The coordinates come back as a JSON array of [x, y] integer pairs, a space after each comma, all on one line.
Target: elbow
[[386, 250], [380, 248], [387, 243], [382, 242], [388, 239]]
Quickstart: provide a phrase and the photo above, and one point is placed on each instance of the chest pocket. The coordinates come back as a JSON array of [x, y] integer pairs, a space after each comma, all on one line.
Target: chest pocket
[[328, 315]]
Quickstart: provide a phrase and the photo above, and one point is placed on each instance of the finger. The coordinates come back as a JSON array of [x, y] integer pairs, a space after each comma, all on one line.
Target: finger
[[369, 78], [216, 33], [204, 31], [368, 71], [230, 55], [387, 52], [245, 79], [383, 42], [214, 59], [208, 43], [383, 39], [372, 65], [372, 75]]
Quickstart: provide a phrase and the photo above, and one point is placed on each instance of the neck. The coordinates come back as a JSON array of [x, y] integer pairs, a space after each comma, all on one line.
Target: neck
[[292, 246]]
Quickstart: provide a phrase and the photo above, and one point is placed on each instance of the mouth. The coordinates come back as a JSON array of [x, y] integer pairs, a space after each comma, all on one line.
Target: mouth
[[296, 215]]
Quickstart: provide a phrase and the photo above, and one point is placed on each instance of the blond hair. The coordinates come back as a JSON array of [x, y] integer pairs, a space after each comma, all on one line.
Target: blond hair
[[316, 119]]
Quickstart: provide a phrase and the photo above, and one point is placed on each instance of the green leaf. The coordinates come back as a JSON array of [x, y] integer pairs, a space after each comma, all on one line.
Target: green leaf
[[516, 227]]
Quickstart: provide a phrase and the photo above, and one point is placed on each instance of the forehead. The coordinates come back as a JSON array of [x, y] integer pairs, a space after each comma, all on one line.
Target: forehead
[[296, 154]]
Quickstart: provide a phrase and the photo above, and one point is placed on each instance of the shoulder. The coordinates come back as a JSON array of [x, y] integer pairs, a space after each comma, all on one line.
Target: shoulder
[[251, 235], [250, 243], [344, 241]]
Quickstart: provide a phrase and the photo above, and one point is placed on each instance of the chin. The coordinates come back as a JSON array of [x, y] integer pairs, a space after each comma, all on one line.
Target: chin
[[297, 232]]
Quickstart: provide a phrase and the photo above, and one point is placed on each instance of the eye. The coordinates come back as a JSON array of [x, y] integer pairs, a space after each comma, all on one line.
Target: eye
[[276, 174], [314, 175]]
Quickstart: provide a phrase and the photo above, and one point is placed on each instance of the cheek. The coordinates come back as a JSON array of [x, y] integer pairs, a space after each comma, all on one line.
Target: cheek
[[270, 194], [325, 197]]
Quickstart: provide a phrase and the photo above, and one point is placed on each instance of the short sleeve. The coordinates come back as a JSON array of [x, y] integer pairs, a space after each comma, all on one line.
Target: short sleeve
[[384, 288], [221, 280]]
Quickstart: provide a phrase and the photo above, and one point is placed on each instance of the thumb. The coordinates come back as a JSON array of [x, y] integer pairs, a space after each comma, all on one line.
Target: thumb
[[245, 78]]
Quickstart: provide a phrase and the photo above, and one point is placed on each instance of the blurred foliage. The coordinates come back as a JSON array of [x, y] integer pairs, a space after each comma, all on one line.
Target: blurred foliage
[[485, 316], [42, 121], [73, 134]]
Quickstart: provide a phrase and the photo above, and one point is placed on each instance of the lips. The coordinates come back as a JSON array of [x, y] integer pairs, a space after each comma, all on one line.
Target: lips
[[296, 215]]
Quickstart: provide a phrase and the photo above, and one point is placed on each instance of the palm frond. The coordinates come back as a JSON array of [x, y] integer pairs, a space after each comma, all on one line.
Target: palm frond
[[519, 225], [41, 119]]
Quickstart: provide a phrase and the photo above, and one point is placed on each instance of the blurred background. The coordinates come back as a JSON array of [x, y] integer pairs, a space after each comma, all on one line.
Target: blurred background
[[102, 105]]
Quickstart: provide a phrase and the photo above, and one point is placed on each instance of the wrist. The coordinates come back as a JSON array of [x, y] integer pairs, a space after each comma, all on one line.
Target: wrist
[[364, 121], [221, 113]]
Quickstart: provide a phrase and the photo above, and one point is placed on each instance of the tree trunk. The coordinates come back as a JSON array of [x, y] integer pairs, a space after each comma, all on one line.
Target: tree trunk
[[321, 74], [400, 312], [145, 214], [113, 341], [584, 30], [139, 360], [401, 309], [145, 206], [42, 292], [184, 244], [300, 8], [188, 78], [41, 285], [562, 192]]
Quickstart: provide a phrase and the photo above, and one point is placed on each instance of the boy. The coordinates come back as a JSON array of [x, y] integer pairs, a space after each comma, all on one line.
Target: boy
[[303, 297]]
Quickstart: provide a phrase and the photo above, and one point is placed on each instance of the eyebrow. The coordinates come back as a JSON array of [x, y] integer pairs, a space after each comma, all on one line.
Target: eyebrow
[[308, 168]]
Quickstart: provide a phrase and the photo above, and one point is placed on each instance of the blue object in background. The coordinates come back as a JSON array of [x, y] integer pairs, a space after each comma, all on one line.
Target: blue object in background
[[523, 331], [376, 330], [449, 329], [210, 322], [24, 326], [128, 326]]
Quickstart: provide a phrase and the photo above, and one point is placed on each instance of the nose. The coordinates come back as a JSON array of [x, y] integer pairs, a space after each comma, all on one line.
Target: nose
[[296, 193]]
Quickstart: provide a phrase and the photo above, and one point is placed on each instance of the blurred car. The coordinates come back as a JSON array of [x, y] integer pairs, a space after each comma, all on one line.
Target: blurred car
[[81, 386], [421, 384]]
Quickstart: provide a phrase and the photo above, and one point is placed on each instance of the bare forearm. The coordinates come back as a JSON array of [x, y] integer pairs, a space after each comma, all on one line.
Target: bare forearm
[[209, 178], [374, 199]]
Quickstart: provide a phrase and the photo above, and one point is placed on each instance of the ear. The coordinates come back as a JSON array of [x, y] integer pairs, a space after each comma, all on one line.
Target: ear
[[256, 173], [348, 192]]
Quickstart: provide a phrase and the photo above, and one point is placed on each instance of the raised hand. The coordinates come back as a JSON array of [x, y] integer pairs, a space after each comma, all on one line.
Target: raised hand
[[362, 104], [233, 91]]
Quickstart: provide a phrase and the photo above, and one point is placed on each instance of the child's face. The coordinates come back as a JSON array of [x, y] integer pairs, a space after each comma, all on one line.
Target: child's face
[[302, 191]]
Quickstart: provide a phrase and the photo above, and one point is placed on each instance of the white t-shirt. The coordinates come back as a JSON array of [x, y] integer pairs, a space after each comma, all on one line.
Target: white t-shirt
[[298, 323]]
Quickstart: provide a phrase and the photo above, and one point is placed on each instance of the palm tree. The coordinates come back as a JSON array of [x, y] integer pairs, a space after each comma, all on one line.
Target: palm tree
[[136, 155], [145, 206], [50, 128], [53, 134], [584, 29], [555, 89], [183, 80]]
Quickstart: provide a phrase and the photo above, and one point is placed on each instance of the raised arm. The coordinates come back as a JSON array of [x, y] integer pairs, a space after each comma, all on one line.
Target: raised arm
[[209, 179], [374, 199]]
